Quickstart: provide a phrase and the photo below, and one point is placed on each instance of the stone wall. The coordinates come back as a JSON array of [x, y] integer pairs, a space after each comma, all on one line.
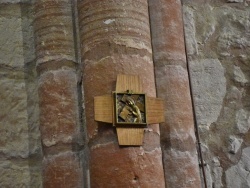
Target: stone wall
[[20, 148], [218, 45]]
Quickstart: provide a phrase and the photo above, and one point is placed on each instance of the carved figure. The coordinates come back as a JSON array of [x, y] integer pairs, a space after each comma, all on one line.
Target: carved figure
[[134, 109]]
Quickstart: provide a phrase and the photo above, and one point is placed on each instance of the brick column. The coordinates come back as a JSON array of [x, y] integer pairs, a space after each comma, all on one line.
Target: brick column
[[177, 133], [59, 114], [115, 38]]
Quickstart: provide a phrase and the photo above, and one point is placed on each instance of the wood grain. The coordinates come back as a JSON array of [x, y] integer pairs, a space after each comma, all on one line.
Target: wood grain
[[128, 82], [103, 108], [130, 136], [155, 110]]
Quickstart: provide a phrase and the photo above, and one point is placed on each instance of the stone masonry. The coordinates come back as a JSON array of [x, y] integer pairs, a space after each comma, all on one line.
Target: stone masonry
[[56, 55]]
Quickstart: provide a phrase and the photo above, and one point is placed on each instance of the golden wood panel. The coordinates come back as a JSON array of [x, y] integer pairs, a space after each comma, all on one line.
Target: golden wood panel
[[129, 136], [155, 110], [103, 106]]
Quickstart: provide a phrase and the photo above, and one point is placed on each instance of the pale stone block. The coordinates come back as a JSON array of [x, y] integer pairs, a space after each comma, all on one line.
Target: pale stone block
[[14, 174], [209, 89], [235, 1], [189, 23], [11, 39], [234, 144], [238, 175], [239, 75], [242, 121], [14, 140]]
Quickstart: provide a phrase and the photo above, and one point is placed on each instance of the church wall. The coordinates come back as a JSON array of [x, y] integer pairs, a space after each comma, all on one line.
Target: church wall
[[218, 44], [20, 148]]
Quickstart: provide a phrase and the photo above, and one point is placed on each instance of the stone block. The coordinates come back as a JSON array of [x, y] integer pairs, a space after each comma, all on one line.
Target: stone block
[[209, 89], [125, 167], [242, 121], [11, 39], [62, 170], [234, 144], [17, 174], [14, 140], [58, 107], [190, 31], [53, 28], [238, 175]]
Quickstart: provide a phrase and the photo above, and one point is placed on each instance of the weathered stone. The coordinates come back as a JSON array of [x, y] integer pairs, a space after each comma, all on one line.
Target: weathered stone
[[190, 30], [115, 28], [233, 36], [209, 89], [53, 28], [235, 144], [180, 160], [216, 173], [16, 174], [234, 96], [235, 1], [221, 31], [168, 29], [11, 40], [28, 33], [62, 170], [238, 175], [239, 75], [205, 24], [178, 128], [135, 166], [59, 107], [242, 121], [14, 141]]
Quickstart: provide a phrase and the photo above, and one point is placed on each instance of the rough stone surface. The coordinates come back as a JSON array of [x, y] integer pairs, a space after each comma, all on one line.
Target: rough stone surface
[[11, 39], [238, 175], [189, 24], [177, 133], [20, 147], [61, 132], [64, 170], [235, 144], [220, 78], [58, 107], [235, 1], [138, 160], [117, 40], [209, 89], [214, 174], [14, 174], [243, 121], [54, 30], [239, 75], [13, 104]]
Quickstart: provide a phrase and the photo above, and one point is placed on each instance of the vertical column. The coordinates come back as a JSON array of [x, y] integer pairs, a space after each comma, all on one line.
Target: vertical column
[[59, 115], [177, 134], [115, 38]]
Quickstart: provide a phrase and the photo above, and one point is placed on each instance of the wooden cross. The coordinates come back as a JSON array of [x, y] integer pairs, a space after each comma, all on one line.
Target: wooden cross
[[129, 110]]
